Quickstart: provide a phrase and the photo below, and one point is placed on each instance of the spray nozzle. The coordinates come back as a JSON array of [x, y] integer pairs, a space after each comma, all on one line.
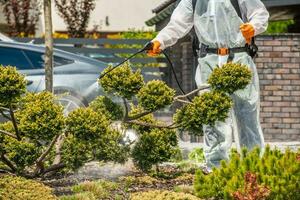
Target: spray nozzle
[[147, 46]]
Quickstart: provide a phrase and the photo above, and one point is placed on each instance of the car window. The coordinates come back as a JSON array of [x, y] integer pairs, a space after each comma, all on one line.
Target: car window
[[59, 61], [14, 57], [37, 60]]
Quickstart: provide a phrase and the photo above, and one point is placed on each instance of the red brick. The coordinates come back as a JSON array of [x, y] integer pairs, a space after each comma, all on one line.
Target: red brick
[[290, 109], [266, 103], [273, 120], [274, 54], [273, 87], [281, 114], [281, 71], [295, 60], [273, 98], [263, 60], [291, 54], [291, 65], [272, 43], [282, 93], [291, 120], [271, 109], [291, 87], [290, 131], [295, 82], [295, 93], [282, 48], [272, 131], [296, 126], [281, 60], [281, 125], [295, 115], [282, 104], [291, 76], [281, 82]]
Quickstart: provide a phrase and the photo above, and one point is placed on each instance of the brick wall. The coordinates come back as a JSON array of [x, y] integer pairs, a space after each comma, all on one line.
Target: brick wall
[[278, 66]]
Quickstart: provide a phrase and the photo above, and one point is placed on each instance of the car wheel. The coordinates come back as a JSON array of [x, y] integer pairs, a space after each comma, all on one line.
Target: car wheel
[[70, 101]]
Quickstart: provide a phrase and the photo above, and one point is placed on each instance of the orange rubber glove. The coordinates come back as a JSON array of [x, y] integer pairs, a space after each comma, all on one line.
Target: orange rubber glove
[[248, 32], [155, 51]]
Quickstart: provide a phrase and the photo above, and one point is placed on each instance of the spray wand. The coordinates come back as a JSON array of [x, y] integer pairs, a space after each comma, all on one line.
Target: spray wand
[[147, 47]]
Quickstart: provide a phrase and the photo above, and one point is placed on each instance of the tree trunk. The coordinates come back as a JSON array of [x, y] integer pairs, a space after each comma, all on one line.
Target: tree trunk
[[49, 46]]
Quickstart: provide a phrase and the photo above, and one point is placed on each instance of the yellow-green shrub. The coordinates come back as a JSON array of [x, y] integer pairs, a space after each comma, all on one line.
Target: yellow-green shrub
[[162, 195], [122, 81], [154, 147], [40, 117], [106, 106], [205, 109], [155, 95], [278, 171], [230, 77], [16, 188], [12, 85]]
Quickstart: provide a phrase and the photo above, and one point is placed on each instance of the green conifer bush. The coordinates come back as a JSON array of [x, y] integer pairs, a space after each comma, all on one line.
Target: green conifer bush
[[230, 77], [155, 95], [277, 171], [122, 81], [16, 188]]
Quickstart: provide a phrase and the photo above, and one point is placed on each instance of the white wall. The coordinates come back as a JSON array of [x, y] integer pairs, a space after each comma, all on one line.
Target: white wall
[[122, 15]]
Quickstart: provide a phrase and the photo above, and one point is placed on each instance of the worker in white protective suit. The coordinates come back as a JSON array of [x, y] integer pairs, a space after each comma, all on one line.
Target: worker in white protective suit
[[224, 35]]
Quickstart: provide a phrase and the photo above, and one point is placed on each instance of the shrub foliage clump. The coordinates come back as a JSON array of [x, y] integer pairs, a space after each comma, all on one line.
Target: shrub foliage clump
[[205, 109], [122, 81], [277, 171], [16, 188], [155, 95], [230, 77], [12, 85]]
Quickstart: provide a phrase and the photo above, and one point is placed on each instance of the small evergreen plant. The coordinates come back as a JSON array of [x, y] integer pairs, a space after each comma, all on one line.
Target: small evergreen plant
[[279, 172]]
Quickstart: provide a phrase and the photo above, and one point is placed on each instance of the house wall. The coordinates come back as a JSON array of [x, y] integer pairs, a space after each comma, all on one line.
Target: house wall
[[110, 16], [278, 67]]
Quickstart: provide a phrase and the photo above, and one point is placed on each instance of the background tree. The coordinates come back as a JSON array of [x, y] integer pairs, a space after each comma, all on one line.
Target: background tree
[[76, 14], [48, 46], [21, 16]]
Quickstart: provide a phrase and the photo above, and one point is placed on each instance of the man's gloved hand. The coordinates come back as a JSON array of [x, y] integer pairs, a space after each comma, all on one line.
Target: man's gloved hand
[[248, 32], [155, 51]]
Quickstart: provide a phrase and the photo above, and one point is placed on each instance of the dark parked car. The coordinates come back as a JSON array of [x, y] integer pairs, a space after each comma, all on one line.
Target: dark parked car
[[74, 75]]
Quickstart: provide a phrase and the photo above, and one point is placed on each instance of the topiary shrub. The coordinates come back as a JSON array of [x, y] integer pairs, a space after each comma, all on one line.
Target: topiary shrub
[[230, 77], [39, 141], [122, 81], [154, 147], [205, 109], [40, 118], [106, 106], [277, 171], [162, 195], [16, 188], [155, 95], [12, 85]]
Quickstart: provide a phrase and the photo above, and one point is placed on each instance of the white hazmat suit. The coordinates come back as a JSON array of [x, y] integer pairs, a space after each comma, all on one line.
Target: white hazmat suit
[[217, 25]]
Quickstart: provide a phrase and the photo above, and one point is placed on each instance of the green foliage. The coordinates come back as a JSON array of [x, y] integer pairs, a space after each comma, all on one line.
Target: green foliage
[[230, 77], [155, 95], [197, 155], [12, 85], [86, 124], [162, 195], [22, 153], [279, 26], [16, 188], [105, 105], [154, 147], [75, 153], [92, 191], [150, 119], [40, 117], [122, 81], [90, 137], [205, 109], [278, 171]]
